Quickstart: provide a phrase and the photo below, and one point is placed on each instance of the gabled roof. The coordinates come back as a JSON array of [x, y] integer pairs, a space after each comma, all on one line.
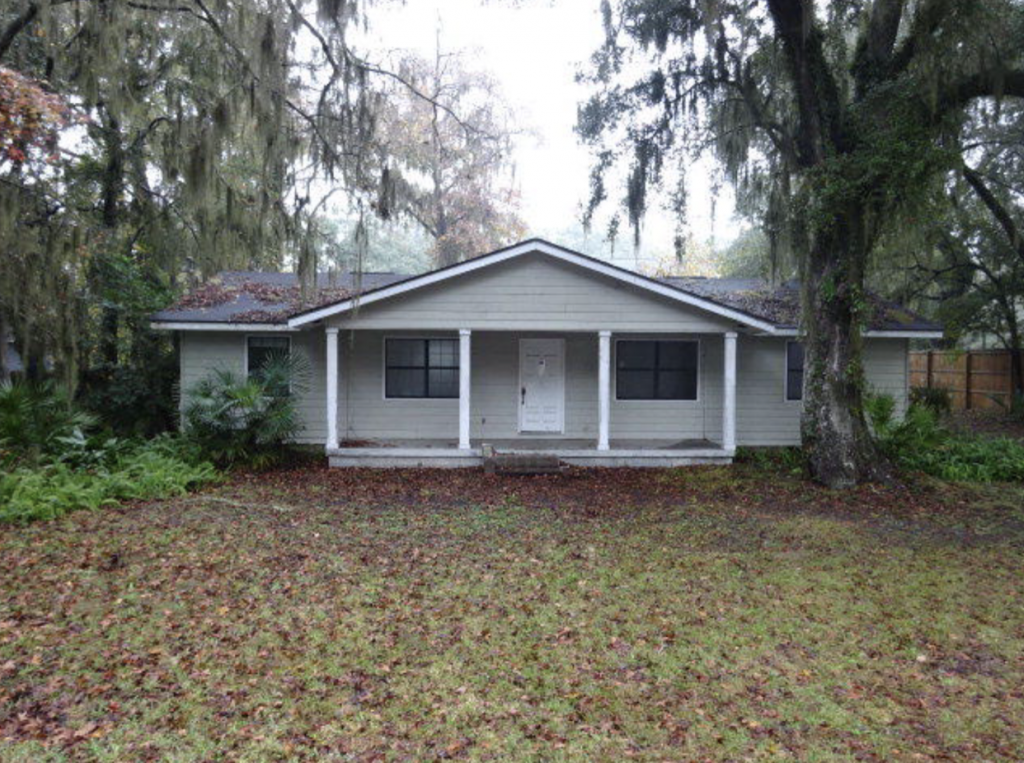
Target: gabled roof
[[531, 246], [271, 301]]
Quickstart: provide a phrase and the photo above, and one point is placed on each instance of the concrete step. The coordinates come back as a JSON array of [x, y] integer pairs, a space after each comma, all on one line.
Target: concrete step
[[522, 463]]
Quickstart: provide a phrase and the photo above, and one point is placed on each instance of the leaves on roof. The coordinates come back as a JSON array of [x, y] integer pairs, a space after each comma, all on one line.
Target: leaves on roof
[[276, 302]]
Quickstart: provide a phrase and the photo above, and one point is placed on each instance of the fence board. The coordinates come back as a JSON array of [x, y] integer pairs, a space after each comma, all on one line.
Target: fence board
[[976, 379]]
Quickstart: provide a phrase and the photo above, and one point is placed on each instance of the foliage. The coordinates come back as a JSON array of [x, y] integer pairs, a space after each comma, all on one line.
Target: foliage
[[791, 460], [920, 443], [834, 124], [37, 420], [139, 473], [938, 400], [31, 119], [238, 420], [451, 157], [213, 136], [133, 400], [693, 614]]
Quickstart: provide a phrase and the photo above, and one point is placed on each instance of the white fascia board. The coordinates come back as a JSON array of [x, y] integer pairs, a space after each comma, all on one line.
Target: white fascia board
[[210, 326], [879, 334], [904, 334], [487, 260]]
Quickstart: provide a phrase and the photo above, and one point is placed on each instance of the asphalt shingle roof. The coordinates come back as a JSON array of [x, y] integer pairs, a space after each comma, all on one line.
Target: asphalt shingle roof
[[251, 297]]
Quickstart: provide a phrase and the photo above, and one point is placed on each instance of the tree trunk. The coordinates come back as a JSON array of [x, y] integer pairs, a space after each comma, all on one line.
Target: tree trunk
[[834, 431], [5, 365], [1016, 365], [113, 188]]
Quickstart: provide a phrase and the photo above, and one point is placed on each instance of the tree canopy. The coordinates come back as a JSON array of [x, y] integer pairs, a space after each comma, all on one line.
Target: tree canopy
[[834, 121], [146, 146]]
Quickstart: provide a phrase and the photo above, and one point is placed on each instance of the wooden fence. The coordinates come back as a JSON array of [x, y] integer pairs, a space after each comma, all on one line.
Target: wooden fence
[[976, 379]]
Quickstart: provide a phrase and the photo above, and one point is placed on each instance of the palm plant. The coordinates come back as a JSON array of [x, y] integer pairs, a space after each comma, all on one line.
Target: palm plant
[[37, 418], [247, 420]]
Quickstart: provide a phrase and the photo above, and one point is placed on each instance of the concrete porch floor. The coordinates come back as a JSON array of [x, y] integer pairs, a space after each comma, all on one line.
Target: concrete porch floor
[[576, 451]]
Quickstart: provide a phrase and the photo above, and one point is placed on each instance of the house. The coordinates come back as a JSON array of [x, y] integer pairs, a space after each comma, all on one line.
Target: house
[[531, 348]]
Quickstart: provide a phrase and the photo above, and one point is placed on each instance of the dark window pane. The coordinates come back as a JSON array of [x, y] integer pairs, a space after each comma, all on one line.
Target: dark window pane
[[406, 352], [635, 354], [443, 382], [402, 382], [444, 353], [677, 355], [794, 356], [635, 385], [262, 349], [794, 370], [794, 385], [677, 385]]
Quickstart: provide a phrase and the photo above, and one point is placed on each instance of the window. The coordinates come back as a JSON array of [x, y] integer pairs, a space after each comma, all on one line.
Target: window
[[421, 368], [655, 370], [794, 371], [262, 349]]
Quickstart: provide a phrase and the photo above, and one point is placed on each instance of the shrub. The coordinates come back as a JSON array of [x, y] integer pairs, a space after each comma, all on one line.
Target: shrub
[[790, 460], [936, 399], [132, 400], [36, 419], [51, 491], [237, 420], [920, 443]]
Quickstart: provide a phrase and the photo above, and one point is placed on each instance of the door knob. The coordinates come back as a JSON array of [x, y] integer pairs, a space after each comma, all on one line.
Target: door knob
[[522, 394]]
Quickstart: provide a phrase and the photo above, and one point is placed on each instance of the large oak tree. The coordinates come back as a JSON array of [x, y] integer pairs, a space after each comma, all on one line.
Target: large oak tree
[[832, 119]]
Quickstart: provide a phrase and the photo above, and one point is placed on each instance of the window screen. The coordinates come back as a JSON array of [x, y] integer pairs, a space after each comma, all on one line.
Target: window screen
[[794, 371], [262, 349], [421, 368], [656, 370]]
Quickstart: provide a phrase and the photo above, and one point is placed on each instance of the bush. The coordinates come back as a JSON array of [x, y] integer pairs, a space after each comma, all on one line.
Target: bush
[[936, 399], [132, 400], [51, 491], [790, 460], [36, 419], [920, 443], [237, 420]]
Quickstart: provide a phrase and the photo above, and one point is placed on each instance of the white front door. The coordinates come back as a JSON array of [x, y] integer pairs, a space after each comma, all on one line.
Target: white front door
[[541, 385]]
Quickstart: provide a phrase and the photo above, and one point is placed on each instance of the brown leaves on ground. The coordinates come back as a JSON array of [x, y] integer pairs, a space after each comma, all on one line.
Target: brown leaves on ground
[[691, 614]]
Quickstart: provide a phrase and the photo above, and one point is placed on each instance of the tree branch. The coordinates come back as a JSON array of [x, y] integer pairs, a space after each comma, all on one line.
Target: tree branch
[[14, 28], [876, 44], [998, 211], [818, 100]]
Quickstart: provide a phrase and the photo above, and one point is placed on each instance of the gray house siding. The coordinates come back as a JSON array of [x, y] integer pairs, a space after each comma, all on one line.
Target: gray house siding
[[203, 351], [764, 417], [533, 293]]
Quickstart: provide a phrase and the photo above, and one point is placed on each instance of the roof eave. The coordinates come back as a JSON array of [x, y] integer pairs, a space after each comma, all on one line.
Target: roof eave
[[165, 325]]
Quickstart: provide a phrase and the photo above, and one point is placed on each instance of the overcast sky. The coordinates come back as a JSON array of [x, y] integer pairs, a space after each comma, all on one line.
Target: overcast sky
[[534, 52]]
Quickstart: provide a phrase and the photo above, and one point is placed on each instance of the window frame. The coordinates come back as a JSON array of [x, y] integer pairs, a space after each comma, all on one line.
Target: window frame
[[384, 366], [700, 370], [785, 374], [245, 351]]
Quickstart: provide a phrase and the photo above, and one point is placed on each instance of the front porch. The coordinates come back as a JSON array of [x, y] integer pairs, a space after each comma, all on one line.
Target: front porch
[[554, 394], [412, 453]]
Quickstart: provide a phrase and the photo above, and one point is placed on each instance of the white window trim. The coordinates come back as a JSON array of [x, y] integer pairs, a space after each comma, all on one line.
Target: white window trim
[[384, 369], [785, 373], [660, 338], [245, 351]]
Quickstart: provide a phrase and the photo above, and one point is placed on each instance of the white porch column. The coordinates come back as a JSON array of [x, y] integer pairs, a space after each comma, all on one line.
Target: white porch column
[[332, 387], [729, 393], [604, 387], [464, 381]]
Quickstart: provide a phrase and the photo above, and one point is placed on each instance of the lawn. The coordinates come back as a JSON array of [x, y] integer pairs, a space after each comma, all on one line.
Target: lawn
[[708, 613]]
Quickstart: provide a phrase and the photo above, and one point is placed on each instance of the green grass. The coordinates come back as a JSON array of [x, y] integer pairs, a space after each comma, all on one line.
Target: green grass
[[703, 614]]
